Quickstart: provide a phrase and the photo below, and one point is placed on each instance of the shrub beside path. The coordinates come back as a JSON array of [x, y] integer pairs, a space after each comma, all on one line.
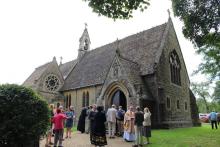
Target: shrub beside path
[[82, 140]]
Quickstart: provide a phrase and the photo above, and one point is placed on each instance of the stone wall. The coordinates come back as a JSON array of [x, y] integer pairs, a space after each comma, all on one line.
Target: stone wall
[[173, 117], [77, 95]]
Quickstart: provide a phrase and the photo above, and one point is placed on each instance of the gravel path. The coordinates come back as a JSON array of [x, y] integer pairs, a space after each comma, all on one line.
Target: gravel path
[[82, 140]]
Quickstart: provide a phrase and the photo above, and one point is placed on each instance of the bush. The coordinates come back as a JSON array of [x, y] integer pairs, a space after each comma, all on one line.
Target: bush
[[24, 116]]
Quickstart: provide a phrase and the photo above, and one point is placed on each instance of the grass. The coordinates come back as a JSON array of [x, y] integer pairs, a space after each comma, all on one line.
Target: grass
[[186, 137]]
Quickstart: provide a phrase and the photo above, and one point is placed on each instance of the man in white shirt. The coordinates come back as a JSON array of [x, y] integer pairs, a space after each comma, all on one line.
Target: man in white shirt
[[111, 119]]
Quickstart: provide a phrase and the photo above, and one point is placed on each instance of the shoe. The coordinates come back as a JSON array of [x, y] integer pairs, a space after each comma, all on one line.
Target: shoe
[[51, 143]]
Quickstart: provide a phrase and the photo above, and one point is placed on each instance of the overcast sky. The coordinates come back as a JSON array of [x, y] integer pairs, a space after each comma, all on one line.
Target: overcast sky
[[33, 31]]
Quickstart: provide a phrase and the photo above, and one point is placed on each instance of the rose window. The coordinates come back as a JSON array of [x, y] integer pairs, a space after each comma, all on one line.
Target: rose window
[[52, 83]]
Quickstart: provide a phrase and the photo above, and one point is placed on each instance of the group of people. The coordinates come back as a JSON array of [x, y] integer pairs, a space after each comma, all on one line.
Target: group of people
[[59, 120], [132, 125]]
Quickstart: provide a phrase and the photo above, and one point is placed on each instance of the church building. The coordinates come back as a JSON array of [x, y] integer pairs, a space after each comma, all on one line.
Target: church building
[[145, 69]]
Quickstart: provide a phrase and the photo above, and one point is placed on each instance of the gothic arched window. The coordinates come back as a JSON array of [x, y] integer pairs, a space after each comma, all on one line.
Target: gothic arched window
[[70, 101], [178, 104], [84, 99], [86, 45], [168, 103], [66, 101], [87, 98], [175, 68]]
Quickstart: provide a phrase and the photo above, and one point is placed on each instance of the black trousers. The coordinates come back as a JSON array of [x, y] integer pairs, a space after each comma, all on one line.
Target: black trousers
[[214, 122], [58, 137]]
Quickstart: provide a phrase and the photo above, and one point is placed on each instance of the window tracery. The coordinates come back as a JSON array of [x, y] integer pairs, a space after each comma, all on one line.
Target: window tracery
[[175, 68], [52, 83]]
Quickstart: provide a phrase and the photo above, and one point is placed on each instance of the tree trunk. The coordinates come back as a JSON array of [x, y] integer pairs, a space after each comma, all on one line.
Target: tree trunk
[[206, 105]]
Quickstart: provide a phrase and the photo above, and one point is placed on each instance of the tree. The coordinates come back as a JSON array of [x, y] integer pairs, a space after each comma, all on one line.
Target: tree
[[117, 9], [216, 94], [202, 26], [201, 105], [201, 90], [24, 116]]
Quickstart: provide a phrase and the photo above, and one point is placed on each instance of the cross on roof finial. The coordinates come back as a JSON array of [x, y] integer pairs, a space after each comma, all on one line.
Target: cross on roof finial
[[117, 49], [86, 25], [168, 10], [117, 43]]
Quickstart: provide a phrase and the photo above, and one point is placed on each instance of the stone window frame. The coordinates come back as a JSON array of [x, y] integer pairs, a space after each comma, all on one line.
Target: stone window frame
[[68, 100], [168, 98], [178, 104], [84, 99], [87, 99], [175, 68], [47, 80]]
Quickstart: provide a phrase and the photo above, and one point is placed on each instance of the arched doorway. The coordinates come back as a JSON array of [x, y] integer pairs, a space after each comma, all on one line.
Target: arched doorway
[[119, 99]]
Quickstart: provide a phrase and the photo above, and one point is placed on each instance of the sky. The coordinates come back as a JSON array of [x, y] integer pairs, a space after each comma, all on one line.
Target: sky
[[32, 32]]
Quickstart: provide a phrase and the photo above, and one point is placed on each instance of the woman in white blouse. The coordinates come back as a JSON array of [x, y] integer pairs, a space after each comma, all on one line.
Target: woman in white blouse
[[147, 125]]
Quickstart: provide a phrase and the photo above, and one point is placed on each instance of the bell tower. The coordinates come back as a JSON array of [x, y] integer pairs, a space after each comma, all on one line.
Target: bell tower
[[84, 43]]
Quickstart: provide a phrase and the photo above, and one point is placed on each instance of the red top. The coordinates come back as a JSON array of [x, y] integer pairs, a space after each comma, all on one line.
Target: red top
[[58, 121]]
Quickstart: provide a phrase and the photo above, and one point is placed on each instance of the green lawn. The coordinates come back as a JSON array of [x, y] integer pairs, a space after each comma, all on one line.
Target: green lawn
[[186, 137]]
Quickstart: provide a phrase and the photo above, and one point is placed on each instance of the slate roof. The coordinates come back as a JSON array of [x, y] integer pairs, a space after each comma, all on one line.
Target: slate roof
[[132, 70], [34, 77], [67, 67], [141, 48]]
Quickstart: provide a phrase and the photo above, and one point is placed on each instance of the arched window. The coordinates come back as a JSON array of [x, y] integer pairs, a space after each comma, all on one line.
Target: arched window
[[87, 98], [86, 45], [66, 101], [168, 103], [175, 68], [186, 107], [70, 101], [178, 104], [83, 99]]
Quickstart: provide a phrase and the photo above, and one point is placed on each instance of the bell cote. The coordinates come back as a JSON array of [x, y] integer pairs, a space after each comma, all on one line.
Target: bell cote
[[84, 43]]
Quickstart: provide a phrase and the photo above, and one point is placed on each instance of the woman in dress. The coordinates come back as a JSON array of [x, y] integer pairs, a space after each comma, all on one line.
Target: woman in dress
[[92, 120], [99, 134], [147, 125], [129, 133], [69, 121]]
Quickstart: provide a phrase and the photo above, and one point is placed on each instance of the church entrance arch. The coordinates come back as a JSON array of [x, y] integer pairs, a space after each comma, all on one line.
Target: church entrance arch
[[119, 99], [117, 94]]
